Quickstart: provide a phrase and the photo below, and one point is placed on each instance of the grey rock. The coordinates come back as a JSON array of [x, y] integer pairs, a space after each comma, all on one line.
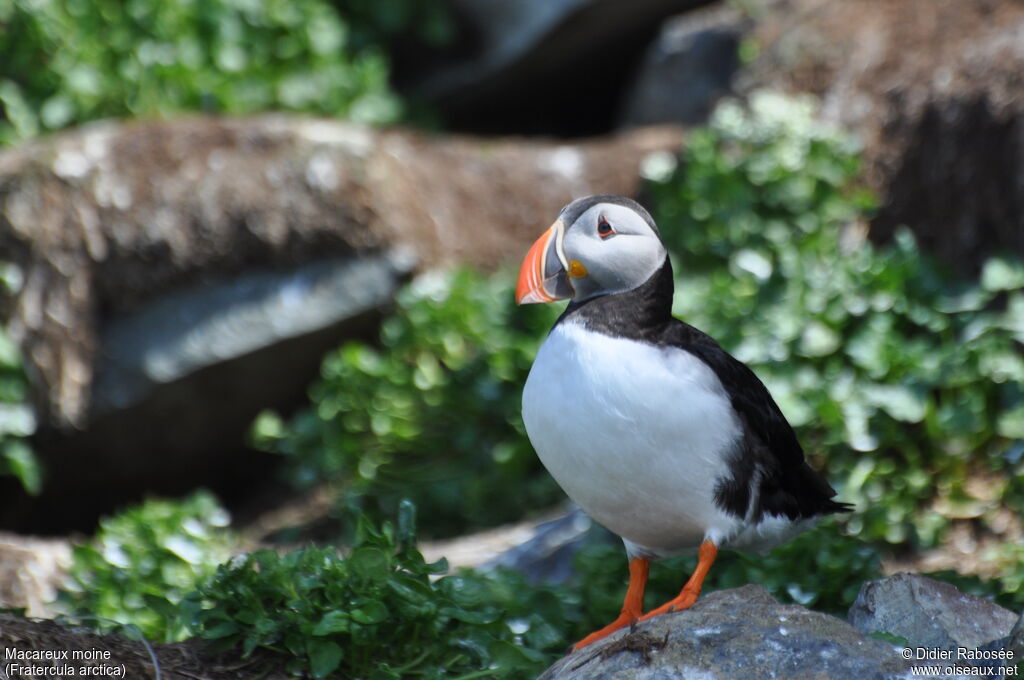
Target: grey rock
[[546, 557], [739, 633], [544, 66], [103, 220], [934, 92], [928, 613], [187, 331], [180, 276], [512, 30], [1016, 637], [32, 571], [1015, 643], [1000, 646], [687, 69]]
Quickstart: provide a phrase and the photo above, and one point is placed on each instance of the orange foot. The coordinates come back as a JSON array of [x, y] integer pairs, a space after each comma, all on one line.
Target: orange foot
[[632, 606], [691, 591]]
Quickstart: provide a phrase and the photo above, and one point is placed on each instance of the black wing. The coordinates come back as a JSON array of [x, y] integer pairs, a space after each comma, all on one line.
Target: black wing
[[770, 454]]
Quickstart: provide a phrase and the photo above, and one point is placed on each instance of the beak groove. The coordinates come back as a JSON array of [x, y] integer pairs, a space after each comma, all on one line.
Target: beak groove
[[543, 276]]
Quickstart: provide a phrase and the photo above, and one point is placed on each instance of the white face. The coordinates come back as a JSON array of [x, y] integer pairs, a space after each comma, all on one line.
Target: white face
[[614, 249]]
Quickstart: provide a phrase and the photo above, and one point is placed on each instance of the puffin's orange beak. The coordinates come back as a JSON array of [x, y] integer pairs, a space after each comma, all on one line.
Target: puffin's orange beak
[[543, 276]]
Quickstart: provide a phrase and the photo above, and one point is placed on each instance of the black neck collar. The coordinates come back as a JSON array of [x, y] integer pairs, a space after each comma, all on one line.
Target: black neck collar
[[638, 313]]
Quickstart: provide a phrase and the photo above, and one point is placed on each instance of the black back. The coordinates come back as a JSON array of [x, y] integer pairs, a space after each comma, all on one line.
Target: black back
[[769, 455]]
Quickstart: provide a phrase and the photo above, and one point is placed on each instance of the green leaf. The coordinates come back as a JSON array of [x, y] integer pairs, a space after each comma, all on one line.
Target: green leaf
[[1002, 274], [161, 606], [252, 641], [891, 638], [324, 657], [477, 617], [414, 588], [332, 622], [132, 572], [900, 401], [385, 673], [369, 563], [17, 457], [370, 613], [1011, 423], [406, 524], [818, 340], [220, 630]]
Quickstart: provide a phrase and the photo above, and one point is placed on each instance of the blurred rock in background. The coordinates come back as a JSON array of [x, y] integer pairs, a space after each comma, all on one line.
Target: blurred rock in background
[[935, 89], [687, 69], [195, 272], [542, 67]]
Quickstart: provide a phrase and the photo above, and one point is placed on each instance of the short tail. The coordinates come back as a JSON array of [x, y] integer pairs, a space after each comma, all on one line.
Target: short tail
[[832, 507]]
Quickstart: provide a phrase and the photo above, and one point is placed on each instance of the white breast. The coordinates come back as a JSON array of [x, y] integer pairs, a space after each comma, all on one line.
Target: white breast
[[636, 435]]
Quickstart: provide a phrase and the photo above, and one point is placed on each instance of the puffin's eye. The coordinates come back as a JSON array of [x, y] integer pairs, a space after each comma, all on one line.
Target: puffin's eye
[[604, 230]]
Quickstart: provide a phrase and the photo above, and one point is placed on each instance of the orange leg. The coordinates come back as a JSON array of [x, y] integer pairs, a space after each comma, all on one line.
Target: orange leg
[[632, 606], [705, 558]]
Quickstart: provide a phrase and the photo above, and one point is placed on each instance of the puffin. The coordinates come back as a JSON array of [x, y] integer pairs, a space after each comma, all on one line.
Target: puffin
[[645, 422]]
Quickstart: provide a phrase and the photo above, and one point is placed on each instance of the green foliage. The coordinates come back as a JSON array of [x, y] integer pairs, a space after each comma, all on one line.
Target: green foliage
[[70, 61], [17, 420], [906, 382], [434, 414], [891, 638], [377, 613], [144, 560], [381, 611], [1005, 590], [1006, 560]]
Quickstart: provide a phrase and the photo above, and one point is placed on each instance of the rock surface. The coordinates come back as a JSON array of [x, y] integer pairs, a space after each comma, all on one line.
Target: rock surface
[[744, 633], [31, 571], [739, 633], [226, 229], [547, 554], [687, 69], [107, 218], [543, 66], [176, 335], [935, 89], [541, 548], [1015, 640], [928, 613]]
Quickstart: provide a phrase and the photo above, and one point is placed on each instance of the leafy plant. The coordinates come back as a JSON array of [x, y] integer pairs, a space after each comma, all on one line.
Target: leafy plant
[[377, 613], [143, 561], [433, 414], [381, 611], [70, 61], [17, 419]]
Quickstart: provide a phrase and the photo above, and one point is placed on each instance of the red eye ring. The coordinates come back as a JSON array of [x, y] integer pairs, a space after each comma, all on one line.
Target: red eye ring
[[604, 229]]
